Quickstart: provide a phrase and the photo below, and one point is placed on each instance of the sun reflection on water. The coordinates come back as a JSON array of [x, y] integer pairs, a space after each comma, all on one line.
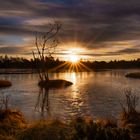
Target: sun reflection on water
[[73, 77]]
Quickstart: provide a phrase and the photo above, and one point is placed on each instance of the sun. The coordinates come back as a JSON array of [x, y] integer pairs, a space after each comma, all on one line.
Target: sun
[[74, 58]]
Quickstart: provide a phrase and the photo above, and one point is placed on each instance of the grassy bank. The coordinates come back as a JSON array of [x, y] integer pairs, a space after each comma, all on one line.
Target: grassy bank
[[14, 127]]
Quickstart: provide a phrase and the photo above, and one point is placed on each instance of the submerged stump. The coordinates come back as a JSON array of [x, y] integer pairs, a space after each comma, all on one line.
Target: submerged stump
[[59, 83]]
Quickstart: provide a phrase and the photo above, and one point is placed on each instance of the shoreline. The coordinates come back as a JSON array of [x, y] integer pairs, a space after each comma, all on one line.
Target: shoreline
[[34, 71]]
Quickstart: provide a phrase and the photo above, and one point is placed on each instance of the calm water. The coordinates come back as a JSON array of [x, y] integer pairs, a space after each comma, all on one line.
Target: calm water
[[93, 94]]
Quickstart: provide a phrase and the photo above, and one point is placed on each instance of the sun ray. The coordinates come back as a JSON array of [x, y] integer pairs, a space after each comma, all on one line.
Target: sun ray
[[59, 66]]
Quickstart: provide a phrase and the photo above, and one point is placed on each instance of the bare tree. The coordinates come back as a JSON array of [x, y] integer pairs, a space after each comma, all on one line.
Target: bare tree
[[45, 44], [132, 101]]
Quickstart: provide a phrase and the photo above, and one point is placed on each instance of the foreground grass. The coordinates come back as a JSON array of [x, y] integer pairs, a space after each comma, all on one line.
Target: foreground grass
[[130, 116], [131, 121], [14, 127], [11, 122]]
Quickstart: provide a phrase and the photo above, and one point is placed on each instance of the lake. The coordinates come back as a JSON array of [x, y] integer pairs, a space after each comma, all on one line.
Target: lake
[[96, 94]]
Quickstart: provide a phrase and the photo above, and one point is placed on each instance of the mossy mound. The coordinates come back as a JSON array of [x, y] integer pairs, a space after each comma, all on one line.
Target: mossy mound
[[133, 75], [5, 83], [59, 83]]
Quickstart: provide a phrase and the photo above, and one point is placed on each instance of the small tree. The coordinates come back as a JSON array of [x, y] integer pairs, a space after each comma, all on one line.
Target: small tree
[[131, 102], [45, 44]]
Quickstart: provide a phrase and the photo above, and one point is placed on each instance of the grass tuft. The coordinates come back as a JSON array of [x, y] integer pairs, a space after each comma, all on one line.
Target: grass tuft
[[130, 117], [45, 130], [10, 122]]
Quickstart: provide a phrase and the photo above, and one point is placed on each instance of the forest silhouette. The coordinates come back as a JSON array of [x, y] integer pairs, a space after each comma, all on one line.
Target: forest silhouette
[[56, 65]]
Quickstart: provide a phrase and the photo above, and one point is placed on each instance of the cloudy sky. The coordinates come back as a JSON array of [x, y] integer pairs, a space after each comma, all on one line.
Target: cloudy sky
[[92, 29]]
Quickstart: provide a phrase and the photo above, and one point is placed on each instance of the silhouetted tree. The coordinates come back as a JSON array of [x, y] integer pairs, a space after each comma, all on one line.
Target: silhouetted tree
[[46, 43]]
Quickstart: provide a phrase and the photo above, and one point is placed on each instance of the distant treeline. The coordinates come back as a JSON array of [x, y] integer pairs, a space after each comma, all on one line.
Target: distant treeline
[[57, 65], [121, 64]]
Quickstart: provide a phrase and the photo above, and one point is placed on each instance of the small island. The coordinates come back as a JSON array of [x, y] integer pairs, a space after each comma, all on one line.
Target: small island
[[5, 83], [58, 83], [133, 75]]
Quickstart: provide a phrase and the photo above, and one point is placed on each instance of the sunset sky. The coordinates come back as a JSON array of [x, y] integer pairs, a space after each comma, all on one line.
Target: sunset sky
[[91, 29]]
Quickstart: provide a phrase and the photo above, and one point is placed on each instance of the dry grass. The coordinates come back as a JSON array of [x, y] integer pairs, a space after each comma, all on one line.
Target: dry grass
[[130, 117], [7, 137], [45, 130], [12, 117], [13, 127], [107, 122], [90, 130], [10, 122]]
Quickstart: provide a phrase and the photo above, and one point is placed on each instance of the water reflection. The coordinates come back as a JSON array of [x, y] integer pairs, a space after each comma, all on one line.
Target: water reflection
[[43, 104], [95, 94], [74, 77]]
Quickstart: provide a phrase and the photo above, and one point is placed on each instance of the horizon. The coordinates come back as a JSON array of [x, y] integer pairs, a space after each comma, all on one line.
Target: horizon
[[95, 30], [69, 60]]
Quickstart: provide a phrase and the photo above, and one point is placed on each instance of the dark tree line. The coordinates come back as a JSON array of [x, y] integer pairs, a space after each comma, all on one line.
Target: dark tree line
[[121, 64], [51, 63], [20, 62], [15, 62]]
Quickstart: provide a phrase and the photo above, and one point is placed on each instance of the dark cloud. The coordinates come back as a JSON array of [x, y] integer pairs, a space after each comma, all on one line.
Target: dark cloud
[[92, 22], [17, 4], [120, 52], [125, 51], [6, 29], [11, 50]]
